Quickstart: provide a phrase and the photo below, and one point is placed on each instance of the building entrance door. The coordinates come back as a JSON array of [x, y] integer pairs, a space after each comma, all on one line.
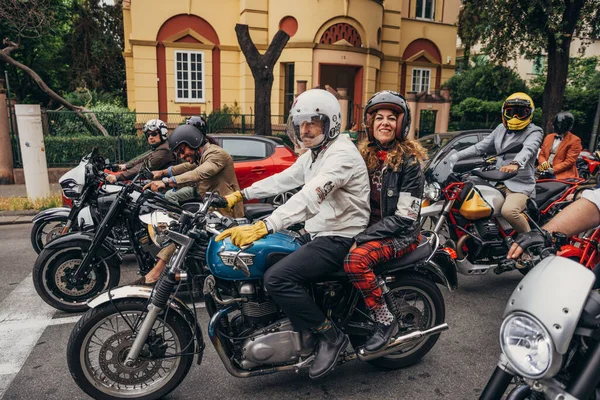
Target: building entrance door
[[344, 77]]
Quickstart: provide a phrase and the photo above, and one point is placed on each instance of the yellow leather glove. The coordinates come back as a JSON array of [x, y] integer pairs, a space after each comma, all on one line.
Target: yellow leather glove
[[233, 199], [543, 166], [244, 235]]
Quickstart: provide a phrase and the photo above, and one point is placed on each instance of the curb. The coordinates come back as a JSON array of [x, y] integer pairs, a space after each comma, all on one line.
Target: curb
[[16, 217]]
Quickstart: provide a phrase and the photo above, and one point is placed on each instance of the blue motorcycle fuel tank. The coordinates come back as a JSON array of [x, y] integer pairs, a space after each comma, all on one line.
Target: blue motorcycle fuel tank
[[259, 257]]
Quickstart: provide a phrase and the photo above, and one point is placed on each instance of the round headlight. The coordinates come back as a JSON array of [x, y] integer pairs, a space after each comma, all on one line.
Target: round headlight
[[432, 191], [158, 223], [527, 345]]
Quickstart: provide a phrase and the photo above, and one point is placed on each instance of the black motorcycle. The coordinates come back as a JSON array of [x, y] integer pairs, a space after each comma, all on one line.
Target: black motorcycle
[[550, 335], [77, 266], [84, 185]]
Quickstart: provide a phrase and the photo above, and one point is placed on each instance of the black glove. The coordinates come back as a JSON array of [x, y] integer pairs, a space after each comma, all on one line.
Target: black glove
[[218, 201], [534, 238]]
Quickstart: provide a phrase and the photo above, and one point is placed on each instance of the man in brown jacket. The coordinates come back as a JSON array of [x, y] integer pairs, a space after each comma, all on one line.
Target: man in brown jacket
[[209, 168], [160, 157], [559, 152]]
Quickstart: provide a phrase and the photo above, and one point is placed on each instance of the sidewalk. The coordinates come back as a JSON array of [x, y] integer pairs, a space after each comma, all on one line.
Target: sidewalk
[[20, 191], [24, 216]]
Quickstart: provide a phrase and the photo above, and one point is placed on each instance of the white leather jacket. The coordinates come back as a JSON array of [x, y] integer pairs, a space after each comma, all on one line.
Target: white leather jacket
[[335, 198]]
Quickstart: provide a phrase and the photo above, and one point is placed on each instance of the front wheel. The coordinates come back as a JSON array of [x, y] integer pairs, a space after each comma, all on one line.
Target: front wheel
[[53, 273], [44, 232], [100, 342], [420, 306]]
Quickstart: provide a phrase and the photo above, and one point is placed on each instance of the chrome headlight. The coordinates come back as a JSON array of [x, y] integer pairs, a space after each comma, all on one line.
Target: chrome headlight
[[158, 225], [432, 191], [527, 345]]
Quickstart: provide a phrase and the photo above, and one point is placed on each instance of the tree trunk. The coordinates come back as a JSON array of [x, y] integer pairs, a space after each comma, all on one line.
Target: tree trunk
[[6, 156], [556, 81], [262, 71], [559, 47], [5, 56]]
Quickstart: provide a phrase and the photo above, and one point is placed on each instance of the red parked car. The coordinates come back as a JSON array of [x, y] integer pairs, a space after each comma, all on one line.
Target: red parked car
[[255, 157]]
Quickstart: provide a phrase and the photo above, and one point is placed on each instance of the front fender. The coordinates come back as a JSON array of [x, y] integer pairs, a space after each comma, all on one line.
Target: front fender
[[84, 240], [144, 292], [52, 214]]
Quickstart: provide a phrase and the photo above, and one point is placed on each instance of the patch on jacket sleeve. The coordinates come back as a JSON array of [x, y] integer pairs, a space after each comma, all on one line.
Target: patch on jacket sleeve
[[408, 206], [322, 192]]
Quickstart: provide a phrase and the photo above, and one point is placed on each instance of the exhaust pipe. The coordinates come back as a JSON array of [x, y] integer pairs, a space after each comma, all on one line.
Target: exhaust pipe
[[400, 340]]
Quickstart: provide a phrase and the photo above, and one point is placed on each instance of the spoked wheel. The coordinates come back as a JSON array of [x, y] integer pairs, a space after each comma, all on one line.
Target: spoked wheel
[[420, 306], [101, 340], [44, 232], [54, 281]]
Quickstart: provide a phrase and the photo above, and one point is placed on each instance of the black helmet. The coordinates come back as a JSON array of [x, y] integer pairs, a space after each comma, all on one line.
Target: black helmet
[[563, 122], [187, 134], [198, 122], [390, 100]]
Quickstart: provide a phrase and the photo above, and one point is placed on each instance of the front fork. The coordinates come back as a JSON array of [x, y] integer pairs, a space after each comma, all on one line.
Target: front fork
[[160, 298], [445, 212]]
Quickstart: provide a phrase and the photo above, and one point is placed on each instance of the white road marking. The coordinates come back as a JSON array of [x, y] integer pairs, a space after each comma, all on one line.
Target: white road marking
[[23, 318]]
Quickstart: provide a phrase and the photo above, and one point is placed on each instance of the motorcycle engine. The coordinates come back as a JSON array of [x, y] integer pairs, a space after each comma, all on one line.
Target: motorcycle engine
[[487, 229], [257, 310], [279, 345]]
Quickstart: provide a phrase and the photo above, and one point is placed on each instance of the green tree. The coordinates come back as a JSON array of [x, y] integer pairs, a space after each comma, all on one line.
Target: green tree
[[508, 28], [485, 82]]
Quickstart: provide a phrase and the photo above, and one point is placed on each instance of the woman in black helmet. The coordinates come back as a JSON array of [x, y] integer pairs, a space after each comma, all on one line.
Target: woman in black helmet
[[394, 164]]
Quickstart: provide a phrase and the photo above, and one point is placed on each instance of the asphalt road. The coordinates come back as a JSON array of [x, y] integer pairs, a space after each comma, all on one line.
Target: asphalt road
[[33, 365]]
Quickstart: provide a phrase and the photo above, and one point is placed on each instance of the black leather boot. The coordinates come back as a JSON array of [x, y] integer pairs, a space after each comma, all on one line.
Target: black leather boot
[[381, 337], [331, 344]]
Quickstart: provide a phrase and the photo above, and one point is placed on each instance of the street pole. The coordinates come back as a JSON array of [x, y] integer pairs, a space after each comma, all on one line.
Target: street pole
[[595, 128], [31, 139]]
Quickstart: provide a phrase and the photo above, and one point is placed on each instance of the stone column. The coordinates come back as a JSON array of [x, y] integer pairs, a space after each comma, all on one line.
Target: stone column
[[31, 140], [6, 156], [343, 99], [300, 87]]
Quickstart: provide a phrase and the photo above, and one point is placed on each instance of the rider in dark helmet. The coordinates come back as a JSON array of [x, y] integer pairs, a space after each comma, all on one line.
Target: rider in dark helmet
[[560, 150], [209, 168], [394, 164], [160, 157], [198, 122]]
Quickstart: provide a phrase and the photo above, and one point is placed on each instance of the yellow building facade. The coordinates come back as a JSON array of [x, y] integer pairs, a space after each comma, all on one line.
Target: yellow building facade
[[183, 56]]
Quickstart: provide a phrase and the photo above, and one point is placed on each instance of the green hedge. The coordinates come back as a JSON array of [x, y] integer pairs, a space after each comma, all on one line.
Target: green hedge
[[68, 150]]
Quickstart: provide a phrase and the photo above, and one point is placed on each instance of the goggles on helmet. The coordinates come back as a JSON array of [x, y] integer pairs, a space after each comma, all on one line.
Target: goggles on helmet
[[517, 111]]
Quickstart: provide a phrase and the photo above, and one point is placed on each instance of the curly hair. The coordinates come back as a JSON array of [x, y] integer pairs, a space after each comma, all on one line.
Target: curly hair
[[396, 156]]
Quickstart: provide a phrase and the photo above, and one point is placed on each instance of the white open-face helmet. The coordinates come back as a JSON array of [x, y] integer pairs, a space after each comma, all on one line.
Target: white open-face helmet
[[156, 125], [314, 106]]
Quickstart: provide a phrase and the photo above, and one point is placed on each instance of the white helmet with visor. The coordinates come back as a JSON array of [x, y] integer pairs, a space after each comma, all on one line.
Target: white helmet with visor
[[315, 118]]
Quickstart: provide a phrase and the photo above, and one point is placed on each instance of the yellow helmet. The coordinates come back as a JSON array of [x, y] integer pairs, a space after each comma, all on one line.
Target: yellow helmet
[[517, 111]]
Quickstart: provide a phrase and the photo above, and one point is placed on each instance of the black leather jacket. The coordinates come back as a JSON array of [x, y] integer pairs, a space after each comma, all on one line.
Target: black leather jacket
[[401, 196]]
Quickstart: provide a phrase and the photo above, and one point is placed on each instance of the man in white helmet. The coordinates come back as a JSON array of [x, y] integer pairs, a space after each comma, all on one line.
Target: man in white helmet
[[334, 203], [159, 158]]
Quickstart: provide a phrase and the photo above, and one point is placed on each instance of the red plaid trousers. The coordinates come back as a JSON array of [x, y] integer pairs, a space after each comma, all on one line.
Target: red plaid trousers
[[359, 264]]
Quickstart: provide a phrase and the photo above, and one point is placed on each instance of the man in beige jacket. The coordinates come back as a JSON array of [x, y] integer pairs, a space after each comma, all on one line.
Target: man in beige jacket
[[209, 168]]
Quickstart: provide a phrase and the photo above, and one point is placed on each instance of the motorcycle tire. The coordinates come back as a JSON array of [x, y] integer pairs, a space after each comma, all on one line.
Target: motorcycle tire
[[39, 235], [52, 267], [109, 380], [430, 292]]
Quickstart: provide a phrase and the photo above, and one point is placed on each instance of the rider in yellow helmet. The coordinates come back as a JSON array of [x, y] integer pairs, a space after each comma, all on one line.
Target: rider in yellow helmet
[[516, 128], [517, 111]]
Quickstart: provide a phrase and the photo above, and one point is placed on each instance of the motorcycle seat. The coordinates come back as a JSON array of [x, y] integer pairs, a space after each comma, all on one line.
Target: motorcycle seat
[[547, 192], [422, 251], [494, 175], [257, 211]]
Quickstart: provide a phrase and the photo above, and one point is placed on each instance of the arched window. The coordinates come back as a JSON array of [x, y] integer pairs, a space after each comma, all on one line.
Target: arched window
[[341, 31]]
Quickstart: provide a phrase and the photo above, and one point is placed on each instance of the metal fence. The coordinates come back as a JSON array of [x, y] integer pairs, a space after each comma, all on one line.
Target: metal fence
[[69, 135]]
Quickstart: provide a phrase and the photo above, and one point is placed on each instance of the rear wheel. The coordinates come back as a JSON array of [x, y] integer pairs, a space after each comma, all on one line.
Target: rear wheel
[[53, 272], [101, 340], [420, 306], [44, 232]]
